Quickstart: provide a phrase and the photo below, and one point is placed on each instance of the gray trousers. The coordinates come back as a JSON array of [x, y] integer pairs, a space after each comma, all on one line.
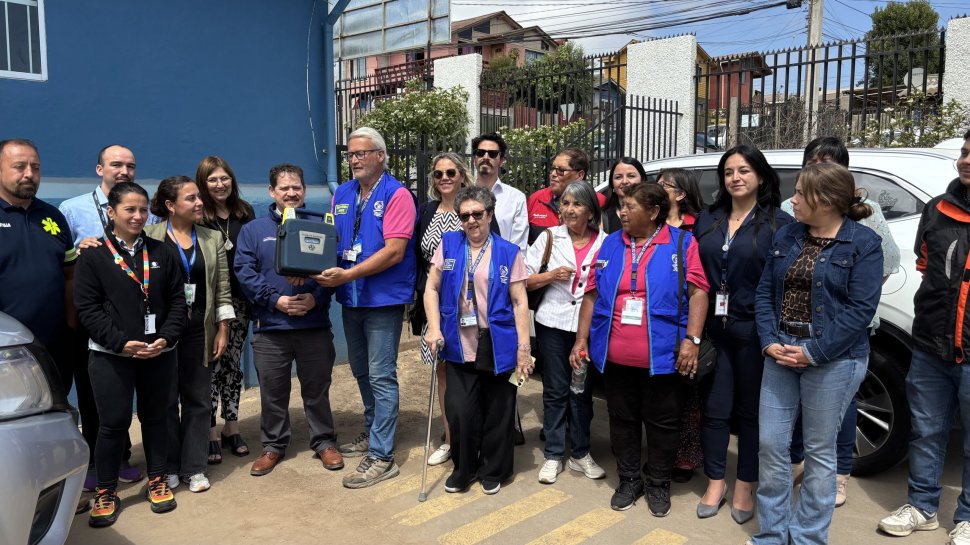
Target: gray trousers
[[273, 356]]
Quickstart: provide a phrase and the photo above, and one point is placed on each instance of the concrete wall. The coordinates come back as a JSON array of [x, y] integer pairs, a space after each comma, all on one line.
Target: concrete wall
[[466, 71], [665, 69], [175, 81], [956, 80]]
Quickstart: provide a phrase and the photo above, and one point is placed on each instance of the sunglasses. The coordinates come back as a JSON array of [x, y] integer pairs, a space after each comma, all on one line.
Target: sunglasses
[[493, 153], [465, 217], [438, 174]]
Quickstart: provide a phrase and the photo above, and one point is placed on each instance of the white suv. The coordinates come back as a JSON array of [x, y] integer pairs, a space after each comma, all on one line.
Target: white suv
[[902, 181]]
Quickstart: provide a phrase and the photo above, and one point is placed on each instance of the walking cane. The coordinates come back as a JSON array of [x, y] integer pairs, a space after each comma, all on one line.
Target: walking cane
[[423, 495]]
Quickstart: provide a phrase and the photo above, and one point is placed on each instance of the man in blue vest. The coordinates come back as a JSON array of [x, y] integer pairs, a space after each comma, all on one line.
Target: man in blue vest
[[374, 215]]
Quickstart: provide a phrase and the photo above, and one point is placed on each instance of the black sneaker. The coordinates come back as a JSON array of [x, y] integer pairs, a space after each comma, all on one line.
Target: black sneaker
[[626, 494], [658, 499], [453, 485]]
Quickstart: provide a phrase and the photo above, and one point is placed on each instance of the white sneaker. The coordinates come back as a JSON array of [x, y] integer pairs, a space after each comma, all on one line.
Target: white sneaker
[[198, 483], [440, 456], [906, 520], [549, 470], [841, 483], [588, 466], [961, 534], [172, 480]]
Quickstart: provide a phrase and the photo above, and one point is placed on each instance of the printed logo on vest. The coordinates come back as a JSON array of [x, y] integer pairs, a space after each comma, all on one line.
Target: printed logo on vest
[[673, 260], [341, 209], [503, 274], [602, 263], [449, 265], [378, 209]]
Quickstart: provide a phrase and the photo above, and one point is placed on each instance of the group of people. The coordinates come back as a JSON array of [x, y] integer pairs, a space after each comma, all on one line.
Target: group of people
[[628, 284]]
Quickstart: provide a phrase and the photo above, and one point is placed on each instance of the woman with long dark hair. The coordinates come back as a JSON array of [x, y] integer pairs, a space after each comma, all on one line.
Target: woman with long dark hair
[[625, 173], [735, 238]]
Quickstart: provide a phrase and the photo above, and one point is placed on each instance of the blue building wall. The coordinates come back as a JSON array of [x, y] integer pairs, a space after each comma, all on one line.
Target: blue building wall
[[175, 81]]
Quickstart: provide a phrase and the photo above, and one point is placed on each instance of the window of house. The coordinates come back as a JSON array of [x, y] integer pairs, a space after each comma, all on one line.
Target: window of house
[[23, 42], [531, 56], [465, 34], [484, 27], [545, 46], [358, 67], [416, 55]]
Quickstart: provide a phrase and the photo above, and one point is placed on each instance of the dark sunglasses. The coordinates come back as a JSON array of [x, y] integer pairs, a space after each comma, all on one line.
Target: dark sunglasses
[[438, 174], [469, 215], [493, 153]]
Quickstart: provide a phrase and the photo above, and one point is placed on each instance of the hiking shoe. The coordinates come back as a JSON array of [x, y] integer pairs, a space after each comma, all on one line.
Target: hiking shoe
[[658, 499], [961, 534], [172, 480], [491, 487], [549, 471], [371, 471], [106, 508], [198, 483], [587, 466], [160, 495], [626, 494], [841, 482], [452, 485], [440, 456], [358, 447], [129, 473], [906, 520]]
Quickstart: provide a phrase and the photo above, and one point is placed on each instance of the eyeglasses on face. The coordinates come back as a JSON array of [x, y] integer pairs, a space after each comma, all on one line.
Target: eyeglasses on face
[[215, 180], [493, 153], [348, 155], [560, 171], [667, 184], [438, 174], [467, 216]]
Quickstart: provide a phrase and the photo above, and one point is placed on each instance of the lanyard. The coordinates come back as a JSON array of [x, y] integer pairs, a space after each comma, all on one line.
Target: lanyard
[[728, 240], [635, 258], [128, 271], [474, 266], [360, 209], [97, 206], [186, 263]]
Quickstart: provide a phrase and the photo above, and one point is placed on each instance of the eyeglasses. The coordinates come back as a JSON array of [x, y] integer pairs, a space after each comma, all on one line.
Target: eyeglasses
[[465, 217], [493, 153], [358, 154], [560, 171], [438, 174], [667, 184], [215, 180]]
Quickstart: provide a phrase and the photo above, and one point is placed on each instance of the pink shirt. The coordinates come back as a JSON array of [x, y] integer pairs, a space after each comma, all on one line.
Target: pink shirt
[[469, 335], [581, 256], [630, 344], [400, 215]]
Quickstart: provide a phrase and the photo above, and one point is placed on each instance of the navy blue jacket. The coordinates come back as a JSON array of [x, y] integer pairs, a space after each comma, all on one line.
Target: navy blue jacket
[[255, 267], [846, 285]]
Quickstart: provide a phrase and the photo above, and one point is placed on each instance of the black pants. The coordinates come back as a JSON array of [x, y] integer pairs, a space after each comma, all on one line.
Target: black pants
[[115, 380], [480, 407], [636, 400], [188, 429]]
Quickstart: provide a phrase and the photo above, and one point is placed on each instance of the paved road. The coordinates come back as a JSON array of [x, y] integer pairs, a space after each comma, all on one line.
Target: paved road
[[300, 502]]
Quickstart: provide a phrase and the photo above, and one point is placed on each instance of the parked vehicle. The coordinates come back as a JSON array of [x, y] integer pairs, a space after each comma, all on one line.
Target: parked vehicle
[[46, 457], [902, 181]]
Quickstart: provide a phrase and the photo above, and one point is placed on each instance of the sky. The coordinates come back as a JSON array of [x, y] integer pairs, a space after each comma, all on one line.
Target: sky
[[770, 29]]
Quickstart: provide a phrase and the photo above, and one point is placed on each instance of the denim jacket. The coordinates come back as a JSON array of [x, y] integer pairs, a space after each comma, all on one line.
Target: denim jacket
[[847, 282]]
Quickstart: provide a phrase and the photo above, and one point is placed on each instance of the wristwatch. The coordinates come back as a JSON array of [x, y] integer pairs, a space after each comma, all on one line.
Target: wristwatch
[[693, 339]]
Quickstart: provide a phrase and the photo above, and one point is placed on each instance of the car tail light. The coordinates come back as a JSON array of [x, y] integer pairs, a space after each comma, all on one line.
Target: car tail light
[[24, 389]]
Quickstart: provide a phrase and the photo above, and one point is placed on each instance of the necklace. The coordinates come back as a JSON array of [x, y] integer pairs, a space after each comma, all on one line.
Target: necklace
[[225, 232]]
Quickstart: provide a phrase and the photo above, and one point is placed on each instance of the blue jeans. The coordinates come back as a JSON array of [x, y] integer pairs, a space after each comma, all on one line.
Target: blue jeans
[[822, 394], [555, 345], [935, 388], [845, 445], [373, 335]]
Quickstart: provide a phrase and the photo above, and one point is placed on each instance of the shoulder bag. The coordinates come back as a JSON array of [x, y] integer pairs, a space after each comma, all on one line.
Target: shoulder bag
[[535, 296], [706, 353]]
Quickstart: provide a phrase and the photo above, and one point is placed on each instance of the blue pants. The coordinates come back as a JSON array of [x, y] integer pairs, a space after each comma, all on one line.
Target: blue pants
[[558, 401]]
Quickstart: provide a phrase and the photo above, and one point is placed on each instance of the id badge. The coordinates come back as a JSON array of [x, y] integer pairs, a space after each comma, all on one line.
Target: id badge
[[632, 312], [149, 324], [721, 304], [350, 255], [189, 294], [468, 319], [357, 248]]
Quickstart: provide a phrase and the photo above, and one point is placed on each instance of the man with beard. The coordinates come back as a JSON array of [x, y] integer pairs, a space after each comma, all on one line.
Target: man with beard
[[510, 209], [87, 217]]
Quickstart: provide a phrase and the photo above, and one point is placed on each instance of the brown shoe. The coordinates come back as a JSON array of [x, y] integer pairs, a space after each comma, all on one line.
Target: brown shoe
[[265, 463], [331, 458]]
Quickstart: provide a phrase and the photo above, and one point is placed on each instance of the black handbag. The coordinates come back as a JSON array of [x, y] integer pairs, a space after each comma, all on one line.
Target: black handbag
[[535, 296], [706, 353]]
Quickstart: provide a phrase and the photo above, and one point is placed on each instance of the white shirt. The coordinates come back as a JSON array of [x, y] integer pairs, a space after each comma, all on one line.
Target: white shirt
[[511, 215], [560, 304]]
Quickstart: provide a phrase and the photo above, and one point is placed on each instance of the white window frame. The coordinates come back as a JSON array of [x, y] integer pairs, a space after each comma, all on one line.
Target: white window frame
[[42, 27]]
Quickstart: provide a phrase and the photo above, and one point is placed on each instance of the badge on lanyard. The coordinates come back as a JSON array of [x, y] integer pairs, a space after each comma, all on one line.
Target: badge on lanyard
[[632, 313], [149, 324], [189, 294], [721, 303], [354, 252]]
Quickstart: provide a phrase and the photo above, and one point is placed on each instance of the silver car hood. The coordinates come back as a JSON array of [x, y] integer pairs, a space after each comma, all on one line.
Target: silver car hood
[[12, 332]]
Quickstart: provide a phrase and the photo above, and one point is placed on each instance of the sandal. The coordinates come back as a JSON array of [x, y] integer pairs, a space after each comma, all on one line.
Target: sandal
[[236, 444], [215, 453]]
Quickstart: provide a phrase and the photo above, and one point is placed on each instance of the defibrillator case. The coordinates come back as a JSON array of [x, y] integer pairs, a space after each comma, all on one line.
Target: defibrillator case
[[305, 246]]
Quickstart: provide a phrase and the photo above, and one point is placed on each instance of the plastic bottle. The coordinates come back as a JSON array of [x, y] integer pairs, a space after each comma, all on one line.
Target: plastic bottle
[[577, 384]]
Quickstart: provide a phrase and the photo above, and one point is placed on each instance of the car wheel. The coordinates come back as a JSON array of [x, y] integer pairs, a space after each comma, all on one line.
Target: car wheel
[[882, 425]]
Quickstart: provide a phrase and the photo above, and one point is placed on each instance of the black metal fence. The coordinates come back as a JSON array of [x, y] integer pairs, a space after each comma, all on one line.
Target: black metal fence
[[855, 90]]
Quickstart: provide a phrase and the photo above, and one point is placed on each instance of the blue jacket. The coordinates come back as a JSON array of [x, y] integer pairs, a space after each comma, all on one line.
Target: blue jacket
[[255, 267], [661, 286], [847, 282], [392, 286], [501, 318]]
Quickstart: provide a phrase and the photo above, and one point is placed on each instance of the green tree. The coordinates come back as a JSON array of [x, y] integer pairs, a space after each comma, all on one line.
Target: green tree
[[903, 37], [561, 77]]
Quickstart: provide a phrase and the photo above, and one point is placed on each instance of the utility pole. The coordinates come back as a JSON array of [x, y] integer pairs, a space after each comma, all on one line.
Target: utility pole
[[812, 83], [330, 95]]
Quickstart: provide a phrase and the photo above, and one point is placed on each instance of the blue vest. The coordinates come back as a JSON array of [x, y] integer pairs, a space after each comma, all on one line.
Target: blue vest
[[661, 311], [501, 319], [392, 286]]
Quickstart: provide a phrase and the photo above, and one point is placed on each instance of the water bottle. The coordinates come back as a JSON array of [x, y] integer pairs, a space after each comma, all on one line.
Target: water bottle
[[578, 383]]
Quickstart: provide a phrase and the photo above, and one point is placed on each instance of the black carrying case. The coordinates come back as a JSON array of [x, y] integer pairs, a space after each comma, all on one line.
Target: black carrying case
[[305, 246]]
